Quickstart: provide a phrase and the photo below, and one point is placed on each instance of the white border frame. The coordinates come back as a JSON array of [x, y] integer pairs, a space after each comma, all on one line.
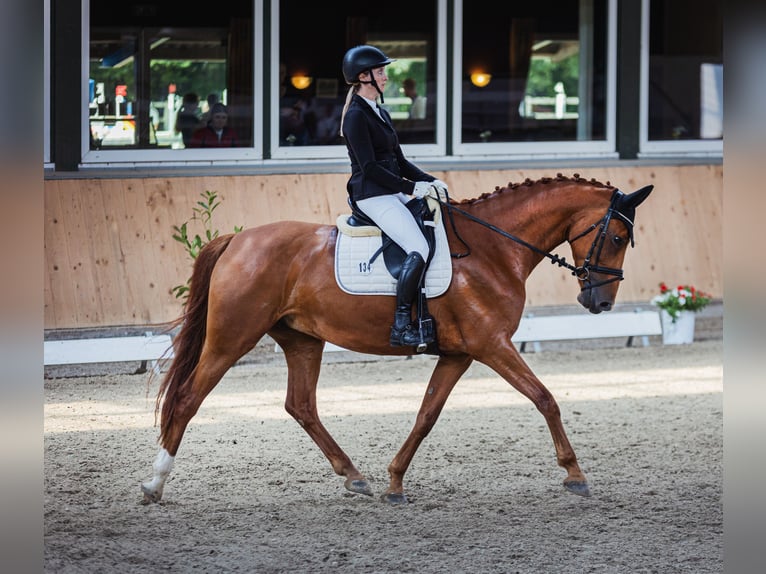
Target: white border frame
[[658, 148], [339, 152], [539, 150], [170, 157]]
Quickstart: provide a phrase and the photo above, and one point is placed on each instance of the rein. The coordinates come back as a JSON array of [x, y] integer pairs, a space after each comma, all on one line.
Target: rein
[[583, 272]]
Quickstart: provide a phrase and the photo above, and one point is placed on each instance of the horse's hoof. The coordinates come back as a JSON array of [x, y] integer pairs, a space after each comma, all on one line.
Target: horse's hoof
[[394, 498], [578, 487], [359, 486], [150, 495]]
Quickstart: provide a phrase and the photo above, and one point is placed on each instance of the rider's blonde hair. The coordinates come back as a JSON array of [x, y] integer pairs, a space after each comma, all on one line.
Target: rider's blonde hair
[[351, 91]]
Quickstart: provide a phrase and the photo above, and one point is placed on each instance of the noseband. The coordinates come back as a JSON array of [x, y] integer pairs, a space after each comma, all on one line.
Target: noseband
[[582, 272]]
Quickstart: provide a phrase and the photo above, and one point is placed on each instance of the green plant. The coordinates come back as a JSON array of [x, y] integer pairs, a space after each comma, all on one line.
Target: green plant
[[203, 213], [682, 298]]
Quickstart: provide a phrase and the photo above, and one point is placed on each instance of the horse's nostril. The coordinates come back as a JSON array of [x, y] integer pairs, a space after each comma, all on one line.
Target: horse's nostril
[[606, 306]]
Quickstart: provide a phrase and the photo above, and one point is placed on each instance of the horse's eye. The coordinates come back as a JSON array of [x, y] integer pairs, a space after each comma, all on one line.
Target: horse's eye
[[618, 241]]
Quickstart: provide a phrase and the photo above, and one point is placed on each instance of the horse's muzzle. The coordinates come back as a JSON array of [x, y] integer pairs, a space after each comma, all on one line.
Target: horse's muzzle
[[593, 300]]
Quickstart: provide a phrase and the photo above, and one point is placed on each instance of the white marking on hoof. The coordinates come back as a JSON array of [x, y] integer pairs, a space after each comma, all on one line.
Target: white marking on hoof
[[162, 466]]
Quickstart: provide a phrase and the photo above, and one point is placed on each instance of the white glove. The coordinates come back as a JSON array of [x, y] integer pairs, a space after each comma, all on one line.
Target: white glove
[[441, 189], [440, 186], [422, 188]]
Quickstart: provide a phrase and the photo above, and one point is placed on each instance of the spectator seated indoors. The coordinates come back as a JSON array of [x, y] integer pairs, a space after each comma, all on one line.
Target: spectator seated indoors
[[418, 106], [188, 118], [216, 133]]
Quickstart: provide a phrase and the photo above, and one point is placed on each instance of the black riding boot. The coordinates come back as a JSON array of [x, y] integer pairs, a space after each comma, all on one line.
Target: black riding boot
[[405, 332]]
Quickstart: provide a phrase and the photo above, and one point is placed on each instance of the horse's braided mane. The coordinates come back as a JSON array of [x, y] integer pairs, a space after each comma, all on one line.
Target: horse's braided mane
[[528, 183]]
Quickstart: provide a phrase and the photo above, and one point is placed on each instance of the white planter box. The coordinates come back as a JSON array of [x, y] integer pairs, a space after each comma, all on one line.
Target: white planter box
[[679, 333]]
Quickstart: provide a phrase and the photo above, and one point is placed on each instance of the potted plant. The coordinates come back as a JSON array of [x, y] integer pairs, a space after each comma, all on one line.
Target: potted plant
[[677, 309]]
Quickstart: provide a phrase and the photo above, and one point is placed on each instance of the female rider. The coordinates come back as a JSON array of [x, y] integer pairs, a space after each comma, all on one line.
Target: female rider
[[382, 180]]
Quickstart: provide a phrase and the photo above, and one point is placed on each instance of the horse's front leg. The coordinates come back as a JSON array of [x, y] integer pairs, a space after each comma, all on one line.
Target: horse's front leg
[[507, 362], [304, 359], [446, 374]]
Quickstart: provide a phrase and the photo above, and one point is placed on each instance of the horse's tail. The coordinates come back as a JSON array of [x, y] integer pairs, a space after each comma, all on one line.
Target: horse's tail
[[187, 345]]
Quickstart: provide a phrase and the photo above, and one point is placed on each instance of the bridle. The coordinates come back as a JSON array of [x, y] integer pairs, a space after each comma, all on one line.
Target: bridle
[[590, 264], [583, 272]]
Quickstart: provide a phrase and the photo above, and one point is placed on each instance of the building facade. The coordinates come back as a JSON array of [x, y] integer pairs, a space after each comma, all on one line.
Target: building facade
[[627, 91]]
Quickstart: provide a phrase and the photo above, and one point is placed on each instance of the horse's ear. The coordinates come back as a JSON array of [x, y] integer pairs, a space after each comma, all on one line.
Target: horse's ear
[[626, 206], [633, 200]]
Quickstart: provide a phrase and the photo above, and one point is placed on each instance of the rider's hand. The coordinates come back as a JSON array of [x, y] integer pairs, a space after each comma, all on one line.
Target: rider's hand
[[440, 186], [422, 188]]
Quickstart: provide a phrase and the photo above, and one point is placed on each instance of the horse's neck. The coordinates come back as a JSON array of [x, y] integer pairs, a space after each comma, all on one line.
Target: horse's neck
[[540, 215]]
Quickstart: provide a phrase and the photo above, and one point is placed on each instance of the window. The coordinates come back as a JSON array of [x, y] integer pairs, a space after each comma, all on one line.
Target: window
[[535, 77], [682, 75], [309, 89], [147, 65]]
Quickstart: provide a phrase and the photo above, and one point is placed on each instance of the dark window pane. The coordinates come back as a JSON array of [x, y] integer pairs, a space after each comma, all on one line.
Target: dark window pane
[[313, 39], [686, 70], [534, 71], [144, 57]]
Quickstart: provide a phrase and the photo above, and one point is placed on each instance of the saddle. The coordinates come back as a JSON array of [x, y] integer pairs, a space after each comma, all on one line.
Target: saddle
[[393, 255]]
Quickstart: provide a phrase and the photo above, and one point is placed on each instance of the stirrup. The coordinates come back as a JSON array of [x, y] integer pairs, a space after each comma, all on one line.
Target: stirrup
[[418, 334]]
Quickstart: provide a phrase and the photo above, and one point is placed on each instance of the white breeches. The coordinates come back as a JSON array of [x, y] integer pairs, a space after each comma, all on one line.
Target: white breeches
[[392, 216]]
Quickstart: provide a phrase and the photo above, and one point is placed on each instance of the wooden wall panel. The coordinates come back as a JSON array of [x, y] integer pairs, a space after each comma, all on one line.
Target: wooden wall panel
[[60, 301], [110, 258]]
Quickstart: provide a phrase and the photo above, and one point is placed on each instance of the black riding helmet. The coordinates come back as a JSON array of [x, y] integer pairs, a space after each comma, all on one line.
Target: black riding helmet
[[361, 59]]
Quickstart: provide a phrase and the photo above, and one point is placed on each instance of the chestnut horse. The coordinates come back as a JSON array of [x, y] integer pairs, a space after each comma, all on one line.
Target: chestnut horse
[[278, 279]]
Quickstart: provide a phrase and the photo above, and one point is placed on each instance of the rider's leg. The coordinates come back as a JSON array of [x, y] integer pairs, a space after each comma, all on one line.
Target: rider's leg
[[391, 215], [405, 332]]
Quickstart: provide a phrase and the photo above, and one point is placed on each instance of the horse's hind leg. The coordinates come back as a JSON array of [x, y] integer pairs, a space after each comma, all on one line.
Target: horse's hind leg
[[446, 374], [187, 399], [304, 359]]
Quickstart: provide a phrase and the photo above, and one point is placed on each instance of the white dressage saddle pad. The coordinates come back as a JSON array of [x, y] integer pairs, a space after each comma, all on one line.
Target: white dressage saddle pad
[[356, 275]]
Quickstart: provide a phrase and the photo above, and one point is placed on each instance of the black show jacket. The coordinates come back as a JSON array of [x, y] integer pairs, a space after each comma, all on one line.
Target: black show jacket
[[378, 166]]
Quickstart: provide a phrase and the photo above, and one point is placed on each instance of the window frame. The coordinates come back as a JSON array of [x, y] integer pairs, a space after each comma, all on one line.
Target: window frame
[[172, 157], [541, 149], [660, 148]]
